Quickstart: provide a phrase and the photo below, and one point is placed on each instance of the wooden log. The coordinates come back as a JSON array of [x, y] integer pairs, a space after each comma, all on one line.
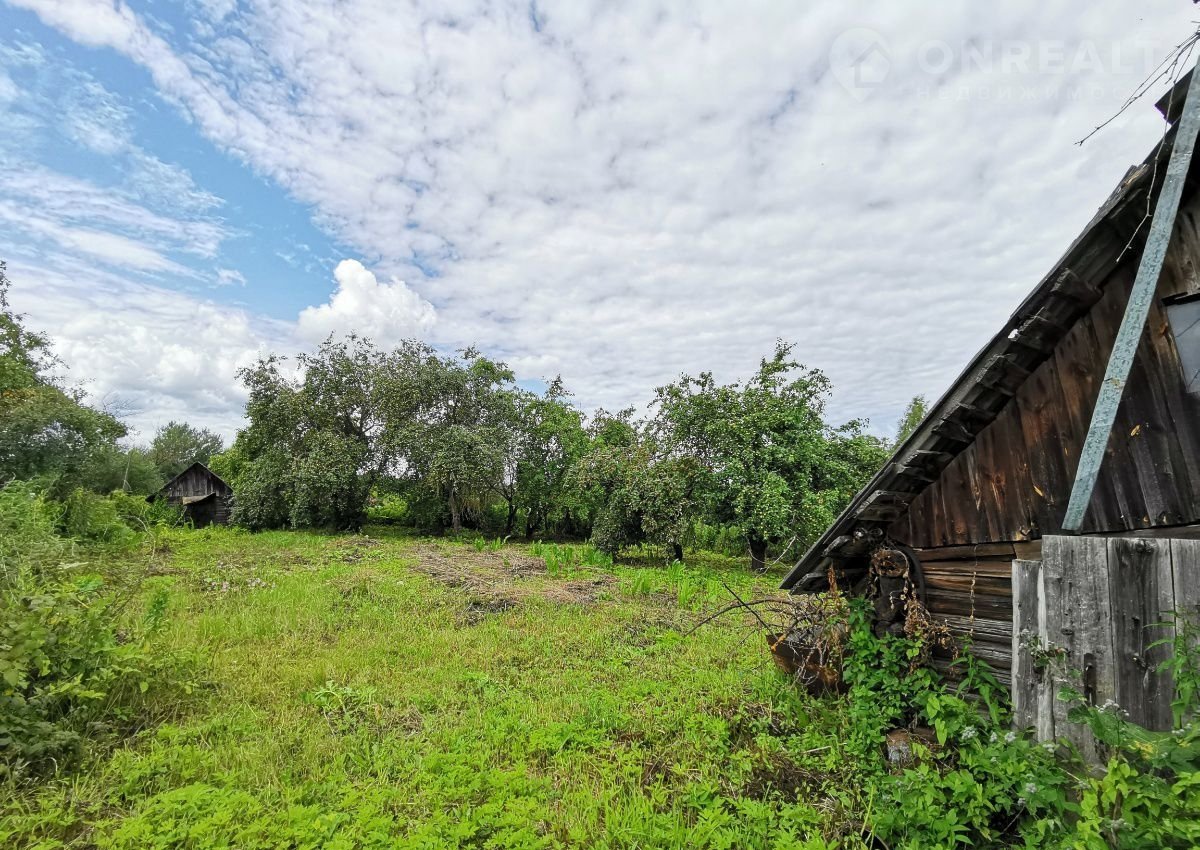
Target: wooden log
[[959, 553], [960, 604], [943, 664], [970, 582], [991, 631], [885, 505], [1071, 287], [1004, 375], [992, 568]]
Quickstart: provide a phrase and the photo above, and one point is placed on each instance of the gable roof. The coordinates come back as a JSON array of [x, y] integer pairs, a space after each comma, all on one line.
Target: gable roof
[[208, 472], [995, 374]]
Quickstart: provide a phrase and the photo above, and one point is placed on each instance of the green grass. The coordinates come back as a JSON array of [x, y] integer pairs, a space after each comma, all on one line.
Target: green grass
[[353, 701]]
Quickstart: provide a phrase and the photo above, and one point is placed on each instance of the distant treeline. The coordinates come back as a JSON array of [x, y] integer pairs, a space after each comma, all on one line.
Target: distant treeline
[[451, 442], [455, 444]]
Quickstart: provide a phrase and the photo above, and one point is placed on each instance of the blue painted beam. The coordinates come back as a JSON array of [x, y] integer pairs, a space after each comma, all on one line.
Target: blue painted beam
[[1140, 299]]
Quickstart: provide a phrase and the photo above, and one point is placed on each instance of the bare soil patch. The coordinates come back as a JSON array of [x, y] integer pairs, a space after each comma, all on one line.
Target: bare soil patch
[[504, 578]]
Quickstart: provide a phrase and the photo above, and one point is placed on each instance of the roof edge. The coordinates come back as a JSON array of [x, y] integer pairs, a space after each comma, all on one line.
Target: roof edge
[[1027, 338]]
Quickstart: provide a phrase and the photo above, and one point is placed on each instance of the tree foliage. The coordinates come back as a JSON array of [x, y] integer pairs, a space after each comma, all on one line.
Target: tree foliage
[[46, 432], [767, 462], [177, 445], [913, 415]]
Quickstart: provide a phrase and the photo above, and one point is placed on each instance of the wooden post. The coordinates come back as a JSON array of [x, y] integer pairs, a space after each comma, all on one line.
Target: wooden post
[[1032, 698]]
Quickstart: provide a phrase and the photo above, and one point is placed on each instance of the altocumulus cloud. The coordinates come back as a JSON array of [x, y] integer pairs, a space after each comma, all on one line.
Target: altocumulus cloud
[[621, 192], [383, 312]]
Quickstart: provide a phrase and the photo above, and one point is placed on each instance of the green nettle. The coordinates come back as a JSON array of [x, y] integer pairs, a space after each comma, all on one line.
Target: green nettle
[[771, 466]]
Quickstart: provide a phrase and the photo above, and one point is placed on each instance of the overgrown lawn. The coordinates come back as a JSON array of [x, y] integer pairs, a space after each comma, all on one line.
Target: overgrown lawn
[[386, 691]]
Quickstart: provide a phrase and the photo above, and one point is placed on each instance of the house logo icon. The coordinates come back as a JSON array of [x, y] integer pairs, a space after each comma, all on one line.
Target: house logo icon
[[860, 61]]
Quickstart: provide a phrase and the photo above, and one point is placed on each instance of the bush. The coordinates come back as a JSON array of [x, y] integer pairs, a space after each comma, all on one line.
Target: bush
[[66, 670], [72, 662], [985, 785], [27, 532], [388, 509], [94, 519]]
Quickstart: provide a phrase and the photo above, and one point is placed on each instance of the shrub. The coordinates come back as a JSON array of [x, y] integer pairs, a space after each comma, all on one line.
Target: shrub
[[27, 532], [94, 519], [68, 669], [986, 785], [72, 661]]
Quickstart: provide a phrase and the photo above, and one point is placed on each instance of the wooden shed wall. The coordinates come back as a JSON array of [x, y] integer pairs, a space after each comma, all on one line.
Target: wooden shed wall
[[195, 481], [198, 481], [1013, 482], [993, 503]]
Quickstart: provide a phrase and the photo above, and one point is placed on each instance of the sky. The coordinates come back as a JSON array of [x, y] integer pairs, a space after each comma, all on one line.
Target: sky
[[613, 192]]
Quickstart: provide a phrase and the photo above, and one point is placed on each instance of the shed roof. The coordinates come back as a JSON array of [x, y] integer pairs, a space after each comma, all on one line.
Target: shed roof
[[203, 468], [994, 375]]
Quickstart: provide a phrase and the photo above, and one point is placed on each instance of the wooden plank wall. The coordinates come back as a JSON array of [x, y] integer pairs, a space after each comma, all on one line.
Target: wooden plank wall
[[1103, 602], [196, 481], [1012, 483]]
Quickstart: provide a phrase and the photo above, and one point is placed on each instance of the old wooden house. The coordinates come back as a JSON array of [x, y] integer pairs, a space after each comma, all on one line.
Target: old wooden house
[[975, 498], [205, 498]]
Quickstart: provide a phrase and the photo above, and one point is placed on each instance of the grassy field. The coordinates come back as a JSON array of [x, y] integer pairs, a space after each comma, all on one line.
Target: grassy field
[[386, 691]]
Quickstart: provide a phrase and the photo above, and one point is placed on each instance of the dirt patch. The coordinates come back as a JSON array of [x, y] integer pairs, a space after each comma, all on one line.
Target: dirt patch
[[505, 576], [354, 548], [478, 610], [781, 778], [587, 592]]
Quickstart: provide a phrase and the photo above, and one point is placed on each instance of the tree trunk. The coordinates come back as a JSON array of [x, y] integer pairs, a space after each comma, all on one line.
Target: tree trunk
[[531, 524], [511, 521], [677, 550], [455, 513], [758, 555]]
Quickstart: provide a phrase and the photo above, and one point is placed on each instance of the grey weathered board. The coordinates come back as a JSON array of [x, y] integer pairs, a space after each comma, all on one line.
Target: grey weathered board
[[1104, 602], [1185, 570], [1027, 627], [1139, 574], [1078, 619]]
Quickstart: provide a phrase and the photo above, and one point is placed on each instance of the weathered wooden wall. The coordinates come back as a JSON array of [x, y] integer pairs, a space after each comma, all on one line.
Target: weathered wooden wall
[[1012, 483], [197, 481], [1103, 602]]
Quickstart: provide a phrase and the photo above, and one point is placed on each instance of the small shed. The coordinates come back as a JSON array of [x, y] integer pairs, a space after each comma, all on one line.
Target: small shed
[[205, 498], [975, 498]]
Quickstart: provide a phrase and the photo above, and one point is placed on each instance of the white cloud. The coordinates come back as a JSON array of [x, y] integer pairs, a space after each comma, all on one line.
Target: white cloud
[[111, 248], [383, 312], [229, 277], [162, 354], [621, 193]]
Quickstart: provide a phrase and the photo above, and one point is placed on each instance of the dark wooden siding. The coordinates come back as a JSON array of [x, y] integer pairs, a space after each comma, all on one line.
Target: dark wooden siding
[[198, 481], [195, 481], [1013, 482]]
